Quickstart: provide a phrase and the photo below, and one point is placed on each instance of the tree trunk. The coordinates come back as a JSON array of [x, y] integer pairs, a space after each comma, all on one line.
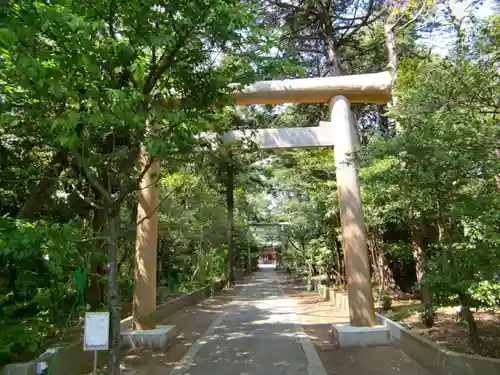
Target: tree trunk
[[338, 250], [329, 48], [230, 218], [41, 192], [161, 260], [337, 255], [336, 259], [377, 262], [95, 290], [442, 235], [392, 66], [390, 43], [381, 267], [341, 262], [113, 299], [471, 322], [374, 264], [498, 174], [419, 250], [385, 275], [331, 56]]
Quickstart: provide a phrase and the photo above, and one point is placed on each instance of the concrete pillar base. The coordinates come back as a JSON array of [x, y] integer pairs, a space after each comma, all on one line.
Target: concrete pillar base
[[158, 338], [346, 336]]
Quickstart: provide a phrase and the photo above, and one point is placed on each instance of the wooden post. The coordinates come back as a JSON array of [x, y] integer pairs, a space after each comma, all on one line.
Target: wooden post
[[144, 304], [359, 288]]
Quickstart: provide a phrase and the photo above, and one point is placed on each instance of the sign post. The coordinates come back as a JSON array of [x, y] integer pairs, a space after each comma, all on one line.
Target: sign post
[[96, 333]]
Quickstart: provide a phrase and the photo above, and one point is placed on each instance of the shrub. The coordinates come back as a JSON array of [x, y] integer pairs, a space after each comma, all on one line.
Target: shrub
[[428, 316], [386, 302]]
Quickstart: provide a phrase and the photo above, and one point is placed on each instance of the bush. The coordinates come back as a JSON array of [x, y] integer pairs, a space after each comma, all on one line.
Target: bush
[[486, 293], [386, 302], [22, 338], [428, 316]]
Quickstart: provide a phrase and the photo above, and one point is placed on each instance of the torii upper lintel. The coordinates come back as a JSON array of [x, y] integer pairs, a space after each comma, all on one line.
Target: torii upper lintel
[[360, 88]]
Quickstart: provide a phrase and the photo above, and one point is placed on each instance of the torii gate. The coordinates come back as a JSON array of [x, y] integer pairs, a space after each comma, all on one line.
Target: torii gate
[[340, 132]]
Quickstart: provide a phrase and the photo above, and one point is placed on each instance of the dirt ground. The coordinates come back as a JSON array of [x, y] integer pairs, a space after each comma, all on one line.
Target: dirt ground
[[448, 330], [316, 317], [191, 323], [313, 313]]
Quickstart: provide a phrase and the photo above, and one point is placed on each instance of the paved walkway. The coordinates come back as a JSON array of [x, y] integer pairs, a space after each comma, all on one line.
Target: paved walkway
[[258, 334]]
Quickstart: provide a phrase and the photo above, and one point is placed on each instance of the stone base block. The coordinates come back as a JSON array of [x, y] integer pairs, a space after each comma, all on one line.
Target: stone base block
[[158, 338], [347, 336]]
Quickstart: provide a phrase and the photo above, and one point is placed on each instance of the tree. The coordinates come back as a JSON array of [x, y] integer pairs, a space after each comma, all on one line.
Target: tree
[[439, 174], [99, 82], [321, 28]]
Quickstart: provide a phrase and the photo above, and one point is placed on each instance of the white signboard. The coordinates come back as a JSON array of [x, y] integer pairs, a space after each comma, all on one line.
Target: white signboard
[[96, 331]]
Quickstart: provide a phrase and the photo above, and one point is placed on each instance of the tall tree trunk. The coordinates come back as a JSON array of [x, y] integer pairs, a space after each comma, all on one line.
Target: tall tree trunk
[[230, 218], [419, 252], [390, 43], [378, 244], [95, 290], [113, 298], [336, 259], [377, 261], [41, 191], [392, 65], [329, 48], [471, 322], [373, 256], [380, 262], [381, 267], [341, 262], [442, 234], [331, 55], [161, 259]]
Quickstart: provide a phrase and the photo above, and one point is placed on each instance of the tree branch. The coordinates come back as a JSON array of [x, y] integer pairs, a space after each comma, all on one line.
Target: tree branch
[[290, 240], [417, 16], [134, 184], [100, 238], [86, 200], [111, 18], [306, 37], [310, 50], [163, 200], [167, 60], [294, 7], [90, 178], [364, 22]]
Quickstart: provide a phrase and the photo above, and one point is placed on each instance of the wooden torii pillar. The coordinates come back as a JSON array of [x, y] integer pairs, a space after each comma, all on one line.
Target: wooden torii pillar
[[340, 132]]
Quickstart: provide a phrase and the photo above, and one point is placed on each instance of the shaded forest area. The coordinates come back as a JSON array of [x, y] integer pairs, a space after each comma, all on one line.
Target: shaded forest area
[[83, 87]]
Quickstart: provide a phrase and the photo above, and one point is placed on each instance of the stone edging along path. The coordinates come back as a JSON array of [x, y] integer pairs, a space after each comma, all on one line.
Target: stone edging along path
[[72, 356], [437, 360]]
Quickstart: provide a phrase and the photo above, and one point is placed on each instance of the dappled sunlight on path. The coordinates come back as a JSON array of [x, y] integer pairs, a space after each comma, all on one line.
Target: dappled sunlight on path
[[264, 326], [257, 334], [316, 315]]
